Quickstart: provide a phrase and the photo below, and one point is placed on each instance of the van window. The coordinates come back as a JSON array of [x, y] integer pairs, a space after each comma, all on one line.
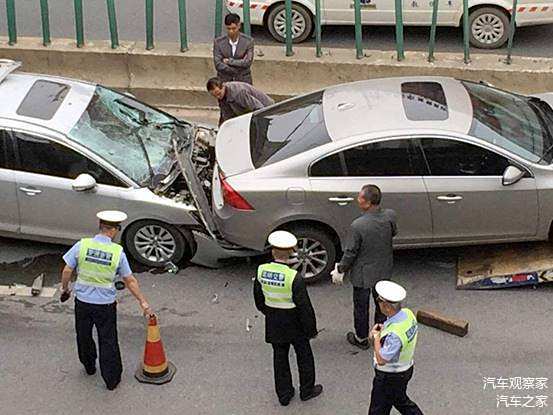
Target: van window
[[287, 129]]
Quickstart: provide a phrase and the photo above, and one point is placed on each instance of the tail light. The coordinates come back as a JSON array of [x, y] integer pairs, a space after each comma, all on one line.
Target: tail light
[[232, 197]]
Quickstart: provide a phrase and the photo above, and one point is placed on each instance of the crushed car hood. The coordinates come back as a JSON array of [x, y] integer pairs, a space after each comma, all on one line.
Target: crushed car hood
[[188, 158]]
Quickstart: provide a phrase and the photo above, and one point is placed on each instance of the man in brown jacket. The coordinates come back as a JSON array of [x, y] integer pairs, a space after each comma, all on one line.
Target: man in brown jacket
[[236, 98], [233, 53]]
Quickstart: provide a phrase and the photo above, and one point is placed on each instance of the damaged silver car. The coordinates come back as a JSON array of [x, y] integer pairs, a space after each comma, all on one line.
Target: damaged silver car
[[69, 149]]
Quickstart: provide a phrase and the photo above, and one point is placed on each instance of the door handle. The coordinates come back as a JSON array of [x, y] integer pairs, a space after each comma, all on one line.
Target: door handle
[[30, 191], [341, 201], [449, 198]]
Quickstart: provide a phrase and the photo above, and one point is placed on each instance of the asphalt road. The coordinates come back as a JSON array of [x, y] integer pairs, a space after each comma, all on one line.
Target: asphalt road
[[529, 41], [224, 369]]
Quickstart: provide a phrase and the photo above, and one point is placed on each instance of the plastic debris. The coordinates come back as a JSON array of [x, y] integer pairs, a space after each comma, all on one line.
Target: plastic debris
[[248, 325], [215, 299], [171, 268]]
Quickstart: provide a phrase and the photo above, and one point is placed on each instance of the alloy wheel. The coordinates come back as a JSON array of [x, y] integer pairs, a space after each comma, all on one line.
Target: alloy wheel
[[310, 258], [155, 243], [488, 28], [299, 25]]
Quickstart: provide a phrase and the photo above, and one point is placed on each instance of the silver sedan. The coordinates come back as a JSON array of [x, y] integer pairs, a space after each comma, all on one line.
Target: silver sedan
[[460, 163], [69, 149]]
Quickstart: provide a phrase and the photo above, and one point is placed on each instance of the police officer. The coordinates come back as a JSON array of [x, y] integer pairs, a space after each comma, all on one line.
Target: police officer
[[394, 348], [280, 294], [98, 262]]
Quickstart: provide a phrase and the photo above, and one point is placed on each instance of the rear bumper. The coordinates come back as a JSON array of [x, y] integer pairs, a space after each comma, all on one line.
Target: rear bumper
[[534, 14], [257, 10]]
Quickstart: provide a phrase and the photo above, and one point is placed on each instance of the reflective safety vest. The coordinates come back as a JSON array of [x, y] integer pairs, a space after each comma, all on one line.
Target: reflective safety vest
[[98, 263], [406, 330], [276, 281]]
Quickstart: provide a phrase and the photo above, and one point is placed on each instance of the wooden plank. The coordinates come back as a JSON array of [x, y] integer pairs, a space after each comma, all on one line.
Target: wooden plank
[[434, 319]]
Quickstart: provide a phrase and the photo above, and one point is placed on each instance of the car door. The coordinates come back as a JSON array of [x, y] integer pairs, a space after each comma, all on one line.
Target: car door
[[48, 204], [9, 209], [395, 166], [372, 11], [419, 12], [468, 199]]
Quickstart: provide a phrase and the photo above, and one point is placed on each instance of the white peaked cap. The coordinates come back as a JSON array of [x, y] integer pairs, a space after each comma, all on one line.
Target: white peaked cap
[[390, 291], [282, 239], [113, 216]]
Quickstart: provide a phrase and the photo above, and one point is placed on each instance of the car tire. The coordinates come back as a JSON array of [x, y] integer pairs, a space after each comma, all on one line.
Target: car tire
[[312, 242], [172, 246], [302, 23], [489, 28]]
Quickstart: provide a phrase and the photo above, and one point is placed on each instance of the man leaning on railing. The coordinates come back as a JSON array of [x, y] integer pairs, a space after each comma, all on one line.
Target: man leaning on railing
[[233, 53]]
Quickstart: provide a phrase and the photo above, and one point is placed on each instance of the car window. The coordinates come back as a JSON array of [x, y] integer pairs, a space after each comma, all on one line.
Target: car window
[[509, 121], [287, 129], [385, 158], [448, 157], [43, 99], [424, 101], [41, 156]]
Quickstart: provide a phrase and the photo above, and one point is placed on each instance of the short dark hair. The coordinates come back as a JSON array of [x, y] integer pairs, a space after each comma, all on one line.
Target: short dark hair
[[213, 83], [371, 193], [232, 18]]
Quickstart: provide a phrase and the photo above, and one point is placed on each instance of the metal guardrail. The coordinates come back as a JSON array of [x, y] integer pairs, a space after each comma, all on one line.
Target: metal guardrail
[[246, 5]]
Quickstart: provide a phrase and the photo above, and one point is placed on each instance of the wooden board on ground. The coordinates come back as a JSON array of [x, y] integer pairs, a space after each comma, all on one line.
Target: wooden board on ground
[[502, 266], [451, 325]]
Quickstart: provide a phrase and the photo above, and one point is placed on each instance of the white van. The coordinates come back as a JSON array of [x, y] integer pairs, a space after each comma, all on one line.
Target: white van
[[489, 19]]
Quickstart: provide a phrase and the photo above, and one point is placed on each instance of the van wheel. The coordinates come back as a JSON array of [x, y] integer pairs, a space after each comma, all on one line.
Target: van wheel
[[489, 28], [154, 243], [315, 255], [302, 23]]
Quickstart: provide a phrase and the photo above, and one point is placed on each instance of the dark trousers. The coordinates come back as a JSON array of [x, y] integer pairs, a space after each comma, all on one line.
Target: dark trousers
[[281, 365], [361, 304], [390, 389], [104, 317]]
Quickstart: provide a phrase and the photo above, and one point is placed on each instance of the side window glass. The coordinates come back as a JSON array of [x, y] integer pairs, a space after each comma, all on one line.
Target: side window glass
[[7, 157], [331, 166], [455, 158], [386, 158], [41, 156]]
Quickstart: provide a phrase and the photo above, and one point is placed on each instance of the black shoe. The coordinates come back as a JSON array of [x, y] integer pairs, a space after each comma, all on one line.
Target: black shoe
[[317, 390], [113, 386], [352, 339], [90, 370], [286, 401]]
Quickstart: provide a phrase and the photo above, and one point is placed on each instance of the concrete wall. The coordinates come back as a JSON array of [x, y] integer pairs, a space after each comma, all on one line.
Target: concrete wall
[[169, 78]]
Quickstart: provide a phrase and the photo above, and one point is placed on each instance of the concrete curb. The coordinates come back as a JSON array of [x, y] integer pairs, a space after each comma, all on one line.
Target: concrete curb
[[167, 77]]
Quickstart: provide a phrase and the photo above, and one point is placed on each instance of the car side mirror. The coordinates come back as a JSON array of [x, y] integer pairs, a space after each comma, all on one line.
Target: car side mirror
[[83, 183], [512, 175]]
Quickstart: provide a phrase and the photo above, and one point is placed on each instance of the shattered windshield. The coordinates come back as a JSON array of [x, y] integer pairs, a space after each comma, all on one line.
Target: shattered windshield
[[129, 135]]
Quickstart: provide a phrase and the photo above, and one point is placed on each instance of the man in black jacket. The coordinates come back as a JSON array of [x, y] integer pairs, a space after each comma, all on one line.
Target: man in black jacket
[[368, 258], [280, 294]]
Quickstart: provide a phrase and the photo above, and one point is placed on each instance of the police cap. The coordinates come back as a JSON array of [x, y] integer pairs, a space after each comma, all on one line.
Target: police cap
[[390, 291], [282, 240]]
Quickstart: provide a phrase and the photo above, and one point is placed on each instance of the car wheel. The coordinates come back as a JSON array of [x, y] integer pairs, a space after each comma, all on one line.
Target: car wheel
[[489, 28], [155, 243], [315, 255], [302, 23]]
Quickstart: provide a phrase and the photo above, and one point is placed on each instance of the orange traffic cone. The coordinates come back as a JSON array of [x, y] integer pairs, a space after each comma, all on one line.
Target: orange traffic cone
[[155, 368]]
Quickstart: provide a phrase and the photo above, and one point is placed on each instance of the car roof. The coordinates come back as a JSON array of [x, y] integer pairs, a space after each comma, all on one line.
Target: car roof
[[376, 105], [15, 87]]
